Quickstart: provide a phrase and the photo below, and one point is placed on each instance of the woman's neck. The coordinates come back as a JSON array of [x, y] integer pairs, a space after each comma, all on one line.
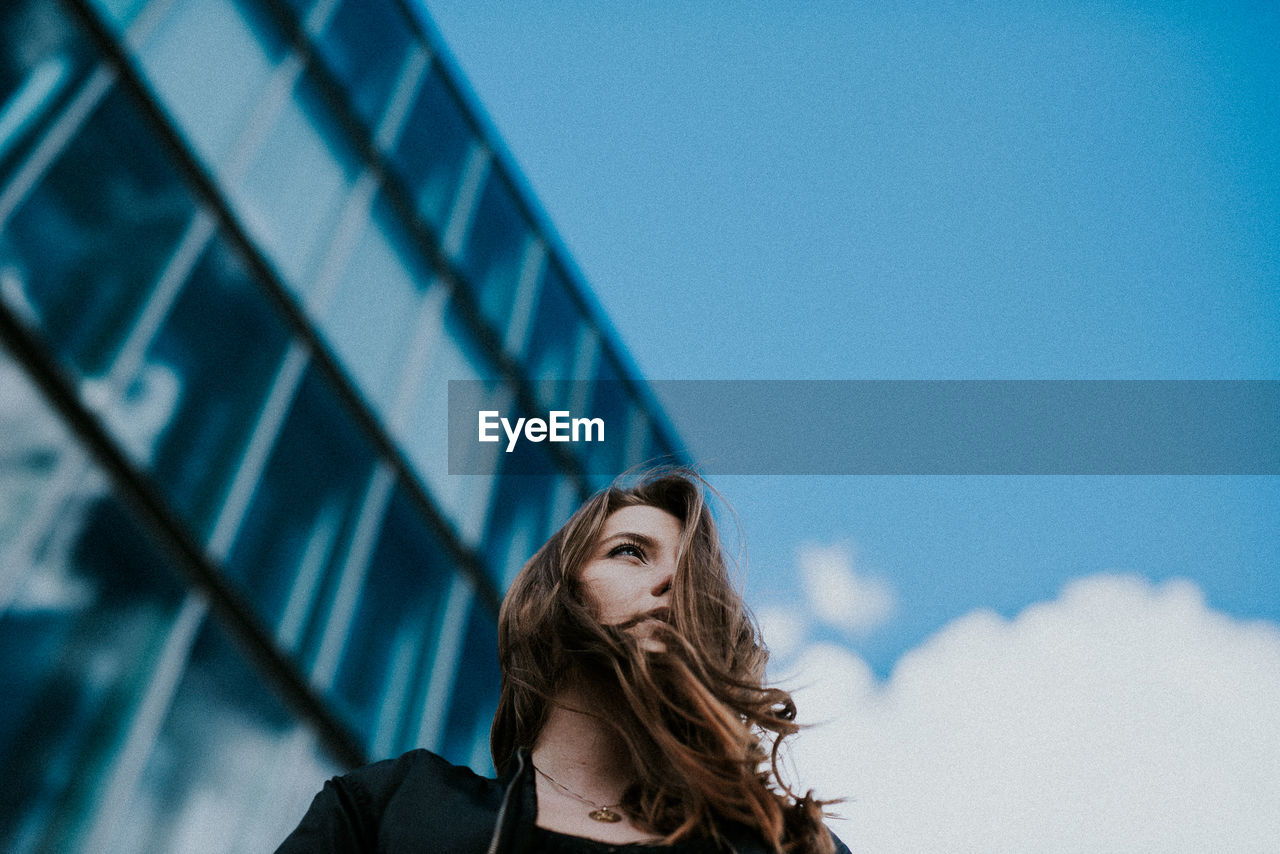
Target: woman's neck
[[580, 750]]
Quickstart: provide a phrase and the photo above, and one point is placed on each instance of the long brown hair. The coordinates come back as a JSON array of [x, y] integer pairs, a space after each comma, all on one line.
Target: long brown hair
[[701, 727]]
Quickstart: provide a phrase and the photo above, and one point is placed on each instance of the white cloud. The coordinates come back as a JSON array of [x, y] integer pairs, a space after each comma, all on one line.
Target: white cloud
[[1121, 717], [783, 629], [838, 594]]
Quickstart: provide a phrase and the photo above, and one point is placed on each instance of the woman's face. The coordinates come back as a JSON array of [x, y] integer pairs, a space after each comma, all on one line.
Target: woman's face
[[627, 579]]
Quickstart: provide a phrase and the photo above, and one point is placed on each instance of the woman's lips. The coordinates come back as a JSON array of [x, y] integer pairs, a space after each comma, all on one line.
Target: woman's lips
[[657, 615]]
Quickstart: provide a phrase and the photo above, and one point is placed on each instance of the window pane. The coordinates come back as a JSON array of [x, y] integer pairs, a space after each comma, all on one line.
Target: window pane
[[495, 249], [222, 343], [42, 58], [85, 249], [80, 633], [300, 8], [231, 770], [553, 345], [372, 317], [120, 12], [299, 521], [432, 149], [364, 45], [387, 659], [292, 194], [475, 694], [611, 401], [518, 518], [210, 61], [457, 356], [37, 453]]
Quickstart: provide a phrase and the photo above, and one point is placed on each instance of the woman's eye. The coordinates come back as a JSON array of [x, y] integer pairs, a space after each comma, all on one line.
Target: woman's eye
[[628, 550]]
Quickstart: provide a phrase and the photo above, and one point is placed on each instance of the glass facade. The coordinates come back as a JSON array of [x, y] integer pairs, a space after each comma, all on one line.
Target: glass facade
[[244, 246]]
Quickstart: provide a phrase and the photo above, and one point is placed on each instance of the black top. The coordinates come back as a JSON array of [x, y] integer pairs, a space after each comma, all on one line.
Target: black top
[[420, 803], [553, 842]]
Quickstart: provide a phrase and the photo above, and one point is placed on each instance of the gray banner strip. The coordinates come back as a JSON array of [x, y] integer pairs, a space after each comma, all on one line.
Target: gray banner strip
[[1034, 427]]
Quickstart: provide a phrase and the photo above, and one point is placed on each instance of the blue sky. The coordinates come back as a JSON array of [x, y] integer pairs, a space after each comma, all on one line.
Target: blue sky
[[883, 190], [959, 193], [937, 191]]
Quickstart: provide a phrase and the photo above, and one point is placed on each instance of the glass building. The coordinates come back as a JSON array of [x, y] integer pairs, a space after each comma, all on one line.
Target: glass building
[[244, 245]]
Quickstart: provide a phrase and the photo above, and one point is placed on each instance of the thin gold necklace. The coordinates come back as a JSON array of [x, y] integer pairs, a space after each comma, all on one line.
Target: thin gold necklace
[[601, 812]]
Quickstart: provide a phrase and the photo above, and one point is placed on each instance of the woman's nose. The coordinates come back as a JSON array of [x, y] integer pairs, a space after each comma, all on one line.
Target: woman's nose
[[663, 583]]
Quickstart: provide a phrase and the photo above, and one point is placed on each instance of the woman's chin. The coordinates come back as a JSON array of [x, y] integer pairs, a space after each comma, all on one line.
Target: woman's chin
[[646, 633], [652, 644]]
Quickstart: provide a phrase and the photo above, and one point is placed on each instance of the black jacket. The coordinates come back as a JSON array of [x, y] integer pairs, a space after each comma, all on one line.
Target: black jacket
[[420, 803]]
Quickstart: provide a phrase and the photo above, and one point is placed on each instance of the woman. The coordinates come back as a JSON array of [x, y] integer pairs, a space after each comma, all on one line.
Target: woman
[[632, 716]]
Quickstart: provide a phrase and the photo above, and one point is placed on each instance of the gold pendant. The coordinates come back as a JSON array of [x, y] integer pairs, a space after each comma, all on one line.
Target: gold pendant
[[604, 814]]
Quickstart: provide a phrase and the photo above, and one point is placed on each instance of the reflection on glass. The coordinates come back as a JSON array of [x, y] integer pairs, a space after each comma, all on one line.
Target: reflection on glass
[[41, 59], [230, 770], [85, 249], [553, 344], [432, 149], [457, 356], [299, 7], [299, 520], [364, 45], [291, 196], [387, 658], [475, 694], [78, 644], [518, 519], [119, 12], [210, 61], [495, 249], [222, 342], [610, 401], [34, 447], [371, 318]]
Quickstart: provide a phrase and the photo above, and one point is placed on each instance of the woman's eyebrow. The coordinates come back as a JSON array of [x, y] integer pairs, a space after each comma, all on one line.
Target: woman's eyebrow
[[631, 536]]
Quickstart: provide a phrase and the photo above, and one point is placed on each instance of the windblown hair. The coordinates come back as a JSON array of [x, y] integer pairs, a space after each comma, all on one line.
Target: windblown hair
[[701, 727]]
